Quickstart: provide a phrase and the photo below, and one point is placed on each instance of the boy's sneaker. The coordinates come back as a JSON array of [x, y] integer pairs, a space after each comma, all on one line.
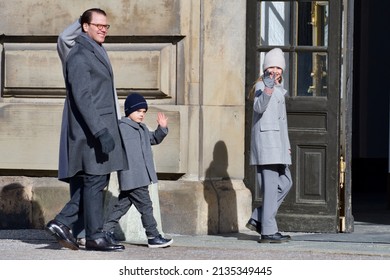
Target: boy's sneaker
[[159, 242]]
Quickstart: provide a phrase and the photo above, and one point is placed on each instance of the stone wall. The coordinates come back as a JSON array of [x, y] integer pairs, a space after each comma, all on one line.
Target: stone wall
[[187, 57]]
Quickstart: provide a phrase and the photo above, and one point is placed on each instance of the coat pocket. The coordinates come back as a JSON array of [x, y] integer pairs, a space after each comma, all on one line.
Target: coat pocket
[[270, 139], [267, 126], [105, 111]]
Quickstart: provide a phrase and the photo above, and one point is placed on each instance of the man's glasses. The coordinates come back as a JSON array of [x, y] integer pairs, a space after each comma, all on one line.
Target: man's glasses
[[101, 26]]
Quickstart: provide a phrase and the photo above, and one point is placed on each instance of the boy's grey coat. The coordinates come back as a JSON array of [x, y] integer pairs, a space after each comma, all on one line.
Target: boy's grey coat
[[138, 140], [90, 107], [270, 141]]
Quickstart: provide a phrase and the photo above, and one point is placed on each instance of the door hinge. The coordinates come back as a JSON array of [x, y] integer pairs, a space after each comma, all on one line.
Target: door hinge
[[342, 196], [342, 173]]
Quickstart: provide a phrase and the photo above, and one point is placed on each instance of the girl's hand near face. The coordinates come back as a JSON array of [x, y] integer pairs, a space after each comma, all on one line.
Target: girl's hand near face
[[268, 79]]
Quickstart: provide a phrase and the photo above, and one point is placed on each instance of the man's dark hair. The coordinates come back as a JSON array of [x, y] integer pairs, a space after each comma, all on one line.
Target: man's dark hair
[[86, 17]]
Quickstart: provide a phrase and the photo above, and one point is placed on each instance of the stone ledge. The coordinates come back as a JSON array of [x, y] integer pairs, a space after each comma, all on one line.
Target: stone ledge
[[29, 202], [210, 207], [186, 207]]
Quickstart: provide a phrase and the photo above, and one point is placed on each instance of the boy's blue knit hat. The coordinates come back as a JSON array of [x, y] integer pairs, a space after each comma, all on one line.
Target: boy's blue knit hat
[[135, 102]]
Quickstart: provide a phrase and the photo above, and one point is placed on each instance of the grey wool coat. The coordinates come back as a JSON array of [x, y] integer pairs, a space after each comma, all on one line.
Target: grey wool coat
[[138, 141], [90, 107], [270, 143]]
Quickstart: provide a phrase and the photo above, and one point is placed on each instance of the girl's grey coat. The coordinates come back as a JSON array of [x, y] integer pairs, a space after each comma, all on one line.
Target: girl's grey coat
[[270, 141], [138, 140]]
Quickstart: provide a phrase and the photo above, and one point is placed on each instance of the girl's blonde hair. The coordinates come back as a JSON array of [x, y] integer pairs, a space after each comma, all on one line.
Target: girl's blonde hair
[[251, 94]]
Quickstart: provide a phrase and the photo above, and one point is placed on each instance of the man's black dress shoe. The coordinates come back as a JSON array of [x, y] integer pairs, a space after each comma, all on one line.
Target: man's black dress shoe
[[63, 235], [254, 225], [274, 238], [102, 244]]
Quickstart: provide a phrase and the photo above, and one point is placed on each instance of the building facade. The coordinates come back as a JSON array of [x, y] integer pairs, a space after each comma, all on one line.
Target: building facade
[[194, 60], [186, 57]]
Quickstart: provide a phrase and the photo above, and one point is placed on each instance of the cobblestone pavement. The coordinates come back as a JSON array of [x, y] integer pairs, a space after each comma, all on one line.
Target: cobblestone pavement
[[34, 253], [367, 242]]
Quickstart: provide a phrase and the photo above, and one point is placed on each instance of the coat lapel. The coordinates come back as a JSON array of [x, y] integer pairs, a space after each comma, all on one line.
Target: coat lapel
[[89, 45]]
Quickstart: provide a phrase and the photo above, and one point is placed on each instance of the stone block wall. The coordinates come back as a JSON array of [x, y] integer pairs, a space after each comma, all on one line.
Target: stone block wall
[[180, 207], [187, 57]]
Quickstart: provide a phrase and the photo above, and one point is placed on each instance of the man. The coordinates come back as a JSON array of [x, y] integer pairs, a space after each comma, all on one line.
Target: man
[[90, 137]]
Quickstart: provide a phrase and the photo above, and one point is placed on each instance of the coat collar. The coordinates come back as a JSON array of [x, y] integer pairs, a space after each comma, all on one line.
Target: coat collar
[[260, 86], [132, 123], [93, 47]]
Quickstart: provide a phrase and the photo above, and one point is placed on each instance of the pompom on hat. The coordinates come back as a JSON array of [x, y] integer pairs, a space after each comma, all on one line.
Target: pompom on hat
[[274, 58], [135, 102]]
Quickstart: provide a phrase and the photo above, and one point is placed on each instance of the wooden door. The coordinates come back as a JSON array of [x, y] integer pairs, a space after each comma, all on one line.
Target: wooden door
[[309, 33]]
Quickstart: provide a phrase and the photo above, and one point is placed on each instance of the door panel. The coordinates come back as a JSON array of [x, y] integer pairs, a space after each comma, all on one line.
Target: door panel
[[312, 203]]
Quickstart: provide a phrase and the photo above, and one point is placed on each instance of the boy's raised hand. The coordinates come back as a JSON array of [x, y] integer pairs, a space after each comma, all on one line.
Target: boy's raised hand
[[162, 120]]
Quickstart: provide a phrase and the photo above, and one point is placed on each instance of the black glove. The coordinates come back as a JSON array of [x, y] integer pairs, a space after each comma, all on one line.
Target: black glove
[[106, 141], [268, 81]]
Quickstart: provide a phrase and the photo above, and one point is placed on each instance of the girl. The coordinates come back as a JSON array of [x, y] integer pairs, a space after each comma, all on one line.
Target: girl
[[270, 147]]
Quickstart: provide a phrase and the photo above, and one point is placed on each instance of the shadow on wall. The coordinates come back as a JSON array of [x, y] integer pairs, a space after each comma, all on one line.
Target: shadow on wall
[[17, 210], [222, 218]]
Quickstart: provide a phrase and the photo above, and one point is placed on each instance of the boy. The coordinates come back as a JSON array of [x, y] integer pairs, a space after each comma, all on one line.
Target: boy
[[141, 173]]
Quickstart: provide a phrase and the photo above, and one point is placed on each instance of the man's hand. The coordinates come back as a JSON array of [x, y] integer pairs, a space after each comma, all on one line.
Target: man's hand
[[106, 141]]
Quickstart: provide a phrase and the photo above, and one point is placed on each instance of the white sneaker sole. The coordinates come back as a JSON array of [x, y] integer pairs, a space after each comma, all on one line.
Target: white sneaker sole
[[161, 245]]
